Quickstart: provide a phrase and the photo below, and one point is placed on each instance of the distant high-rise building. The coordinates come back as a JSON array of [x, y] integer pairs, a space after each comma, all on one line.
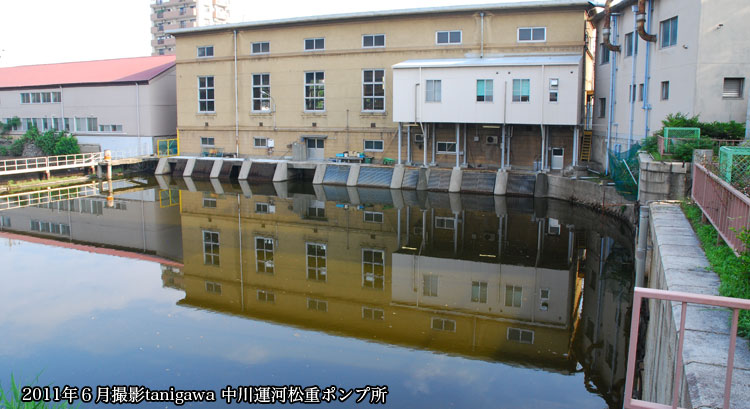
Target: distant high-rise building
[[171, 14]]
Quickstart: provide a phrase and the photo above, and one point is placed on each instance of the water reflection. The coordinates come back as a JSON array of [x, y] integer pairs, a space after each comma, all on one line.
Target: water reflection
[[529, 283]]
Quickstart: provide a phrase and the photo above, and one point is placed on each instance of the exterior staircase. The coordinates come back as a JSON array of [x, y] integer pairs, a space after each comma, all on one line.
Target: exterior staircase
[[586, 146]]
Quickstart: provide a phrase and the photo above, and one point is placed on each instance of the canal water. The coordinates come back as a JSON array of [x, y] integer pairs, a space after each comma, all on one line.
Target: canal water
[[447, 300]]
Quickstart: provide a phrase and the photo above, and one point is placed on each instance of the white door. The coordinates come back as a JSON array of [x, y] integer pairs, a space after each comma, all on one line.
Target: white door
[[315, 149], [557, 158]]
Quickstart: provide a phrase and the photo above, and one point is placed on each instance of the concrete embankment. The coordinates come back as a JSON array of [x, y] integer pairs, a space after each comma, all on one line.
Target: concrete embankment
[[676, 262]]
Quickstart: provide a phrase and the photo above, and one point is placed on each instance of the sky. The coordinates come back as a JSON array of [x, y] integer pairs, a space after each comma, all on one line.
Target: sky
[[51, 31]]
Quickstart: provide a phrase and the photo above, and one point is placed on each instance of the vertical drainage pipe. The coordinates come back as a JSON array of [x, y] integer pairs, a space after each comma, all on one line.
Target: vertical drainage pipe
[[481, 52], [236, 107], [458, 137], [631, 91], [399, 143], [138, 115], [647, 73], [612, 79], [640, 254]]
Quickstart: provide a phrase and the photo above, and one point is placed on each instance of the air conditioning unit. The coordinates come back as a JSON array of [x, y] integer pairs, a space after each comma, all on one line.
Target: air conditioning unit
[[491, 140], [419, 138]]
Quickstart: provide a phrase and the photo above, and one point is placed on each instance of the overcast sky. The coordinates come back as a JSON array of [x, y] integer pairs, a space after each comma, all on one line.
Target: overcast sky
[[49, 31]]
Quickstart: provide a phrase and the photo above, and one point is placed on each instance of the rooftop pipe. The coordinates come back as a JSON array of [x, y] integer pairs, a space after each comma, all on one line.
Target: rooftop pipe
[[606, 31], [640, 18]]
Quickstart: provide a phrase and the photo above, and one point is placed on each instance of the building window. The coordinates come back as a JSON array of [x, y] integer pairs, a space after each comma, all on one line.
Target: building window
[[206, 94], [668, 31], [631, 44], [532, 34], [211, 247], [447, 223], [513, 296], [261, 208], [266, 296], [263, 47], [523, 336], [433, 92], [373, 268], [733, 87], [264, 255], [92, 124], [442, 324], [209, 203], [317, 305], [373, 90], [316, 262], [102, 128], [373, 40], [212, 287], [40, 97], [207, 51], [544, 299], [448, 37], [602, 107], [484, 90], [5, 221], [373, 146], [605, 54], [631, 94], [312, 44], [56, 97], [373, 217], [640, 92], [205, 141], [430, 285], [317, 208], [315, 91], [664, 90], [446, 148], [521, 90], [262, 92], [25, 98], [479, 292], [374, 314], [554, 85], [260, 142]]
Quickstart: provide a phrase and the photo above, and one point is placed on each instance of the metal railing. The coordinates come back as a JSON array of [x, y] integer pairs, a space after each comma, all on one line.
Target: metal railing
[[43, 163], [725, 207], [167, 147], [640, 293], [27, 199]]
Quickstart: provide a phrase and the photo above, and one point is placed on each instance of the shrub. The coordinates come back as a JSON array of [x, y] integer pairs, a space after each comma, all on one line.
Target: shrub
[[66, 145], [3, 151]]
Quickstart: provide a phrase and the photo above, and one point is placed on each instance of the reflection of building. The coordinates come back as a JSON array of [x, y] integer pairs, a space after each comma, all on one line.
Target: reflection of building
[[122, 105], [363, 271], [171, 14], [454, 77], [135, 223]]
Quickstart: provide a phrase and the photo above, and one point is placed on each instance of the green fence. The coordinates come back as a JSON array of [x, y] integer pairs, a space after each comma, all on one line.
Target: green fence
[[675, 136], [624, 171], [734, 165]]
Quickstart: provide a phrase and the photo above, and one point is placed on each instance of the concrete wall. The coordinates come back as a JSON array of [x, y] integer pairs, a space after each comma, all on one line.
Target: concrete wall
[[677, 263], [662, 180]]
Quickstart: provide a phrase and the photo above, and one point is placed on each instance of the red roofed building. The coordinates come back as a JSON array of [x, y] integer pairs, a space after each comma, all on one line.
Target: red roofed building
[[124, 105]]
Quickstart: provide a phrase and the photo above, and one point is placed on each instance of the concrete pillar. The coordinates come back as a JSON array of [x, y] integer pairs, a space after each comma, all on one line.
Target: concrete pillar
[[99, 174], [217, 186], [458, 144], [408, 145], [245, 169], [541, 160], [501, 182], [163, 181], [246, 191], [216, 168], [397, 197], [282, 171], [540, 187], [353, 195], [466, 137], [320, 172], [424, 174], [434, 143], [353, 175], [502, 149], [282, 189], [163, 167], [575, 146], [399, 143], [456, 177], [424, 151], [398, 176], [189, 168], [109, 170], [456, 206], [190, 184], [320, 193]]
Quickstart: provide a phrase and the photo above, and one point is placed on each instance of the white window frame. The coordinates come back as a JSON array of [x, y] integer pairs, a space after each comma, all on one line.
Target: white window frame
[[209, 203], [374, 142], [315, 44], [206, 139], [320, 274], [373, 217], [214, 255], [664, 94], [260, 46], [668, 40], [740, 88], [628, 44], [265, 252], [434, 281], [207, 88], [213, 287], [266, 296], [481, 296], [443, 223], [316, 86], [442, 148], [264, 92], [314, 304], [374, 84], [259, 142], [520, 332], [544, 301], [205, 49], [370, 277], [531, 35], [373, 40], [262, 207], [520, 95], [486, 95], [449, 32], [514, 289], [554, 89], [442, 322], [433, 91], [369, 313]]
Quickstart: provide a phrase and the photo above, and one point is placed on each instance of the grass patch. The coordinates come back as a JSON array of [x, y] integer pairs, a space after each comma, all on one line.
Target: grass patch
[[733, 271], [12, 398]]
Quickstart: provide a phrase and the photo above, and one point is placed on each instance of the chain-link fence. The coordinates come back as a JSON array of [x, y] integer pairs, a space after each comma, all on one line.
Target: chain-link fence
[[675, 136], [734, 166], [624, 171]]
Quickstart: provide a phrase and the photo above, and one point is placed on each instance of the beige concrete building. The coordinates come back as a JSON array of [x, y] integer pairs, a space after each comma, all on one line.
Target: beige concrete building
[[171, 14], [697, 64], [311, 88]]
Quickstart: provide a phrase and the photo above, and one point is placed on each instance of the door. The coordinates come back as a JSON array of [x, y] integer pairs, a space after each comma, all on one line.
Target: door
[[557, 158], [315, 149]]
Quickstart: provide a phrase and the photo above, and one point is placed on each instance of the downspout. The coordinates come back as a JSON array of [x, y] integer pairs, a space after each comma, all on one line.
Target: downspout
[[640, 253], [606, 31], [647, 72], [747, 119], [236, 107], [640, 18], [612, 78], [481, 52], [62, 110], [632, 90], [138, 115]]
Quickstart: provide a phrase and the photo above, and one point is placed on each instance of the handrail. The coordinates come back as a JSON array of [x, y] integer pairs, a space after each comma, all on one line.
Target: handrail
[[640, 293], [38, 197], [10, 165]]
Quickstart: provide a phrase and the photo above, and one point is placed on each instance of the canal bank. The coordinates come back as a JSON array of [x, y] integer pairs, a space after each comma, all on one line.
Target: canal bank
[[676, 262]]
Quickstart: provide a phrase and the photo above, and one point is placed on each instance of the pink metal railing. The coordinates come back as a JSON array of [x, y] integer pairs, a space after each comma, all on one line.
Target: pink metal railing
[[725, 207], [640, 293]]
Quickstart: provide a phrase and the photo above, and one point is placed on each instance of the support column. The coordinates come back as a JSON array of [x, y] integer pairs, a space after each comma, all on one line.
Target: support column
[[502, 149], [399, 143], [424, 151], [541, 159], [575, 145], [434, 143], [408, 145], [466, 136], [458, 143]]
